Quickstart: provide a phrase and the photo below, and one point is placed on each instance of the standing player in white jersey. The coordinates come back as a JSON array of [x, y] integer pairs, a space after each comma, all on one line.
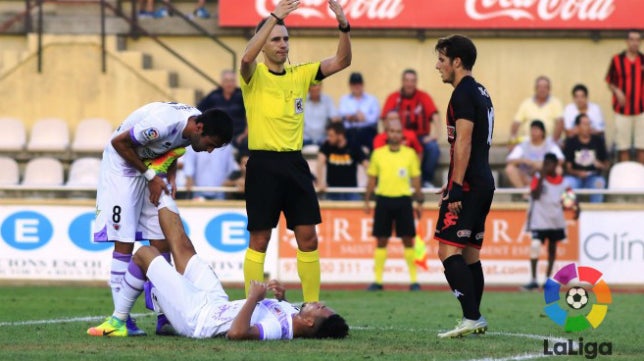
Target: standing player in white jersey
[[196, 304], [128, 190], [545, 215]]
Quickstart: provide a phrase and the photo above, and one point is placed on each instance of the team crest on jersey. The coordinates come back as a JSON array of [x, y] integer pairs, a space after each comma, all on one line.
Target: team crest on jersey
[[451, 132], [299, 106], [151, 134]]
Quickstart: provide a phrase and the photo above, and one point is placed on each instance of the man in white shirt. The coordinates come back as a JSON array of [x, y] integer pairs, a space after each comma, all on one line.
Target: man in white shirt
[[319, 112], [194, 301], [527, 157], [128, 189], [581, 105], [360, 112], [208, 170]]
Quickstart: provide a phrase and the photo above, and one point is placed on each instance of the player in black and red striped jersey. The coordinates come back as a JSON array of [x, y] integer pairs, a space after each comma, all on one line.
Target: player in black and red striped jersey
[[467, 196]]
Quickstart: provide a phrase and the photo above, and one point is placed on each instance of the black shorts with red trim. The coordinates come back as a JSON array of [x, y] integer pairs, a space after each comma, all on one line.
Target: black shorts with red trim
[[276, 182], [467, 227]]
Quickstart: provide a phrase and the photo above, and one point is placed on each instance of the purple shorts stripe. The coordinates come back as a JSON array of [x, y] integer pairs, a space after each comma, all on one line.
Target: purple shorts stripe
[[117, 273], [101, 236]]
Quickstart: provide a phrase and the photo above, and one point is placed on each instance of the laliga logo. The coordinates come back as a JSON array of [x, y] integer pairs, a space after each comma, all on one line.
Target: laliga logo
[[545, 9], [577, 298], [354, 9]]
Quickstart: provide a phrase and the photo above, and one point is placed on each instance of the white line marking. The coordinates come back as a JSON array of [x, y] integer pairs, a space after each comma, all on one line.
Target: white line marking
[[64, 320]]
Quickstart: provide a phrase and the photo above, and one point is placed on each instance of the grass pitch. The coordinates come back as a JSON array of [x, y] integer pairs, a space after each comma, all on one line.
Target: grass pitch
[[49, 323]]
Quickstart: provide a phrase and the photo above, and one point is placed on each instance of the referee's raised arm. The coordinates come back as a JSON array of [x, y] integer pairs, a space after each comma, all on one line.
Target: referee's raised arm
[[342, 57], [262, 32]]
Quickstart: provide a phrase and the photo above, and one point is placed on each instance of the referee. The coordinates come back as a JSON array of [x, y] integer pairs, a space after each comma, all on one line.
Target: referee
[[393, 166], [278, 178]]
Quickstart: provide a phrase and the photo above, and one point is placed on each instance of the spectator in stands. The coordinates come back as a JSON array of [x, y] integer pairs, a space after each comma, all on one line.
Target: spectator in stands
[[228, 97], [409, 136], [527, 157], [204, 169], [337, 164], [586, 158], [625, 79], [580, 104], [417, 111], [319, 112], [237, 178], [359, 111], [541, 106]]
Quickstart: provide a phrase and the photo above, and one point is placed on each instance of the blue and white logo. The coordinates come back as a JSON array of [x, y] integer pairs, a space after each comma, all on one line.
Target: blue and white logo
[[26, 230], [81, 232], [227, 232]]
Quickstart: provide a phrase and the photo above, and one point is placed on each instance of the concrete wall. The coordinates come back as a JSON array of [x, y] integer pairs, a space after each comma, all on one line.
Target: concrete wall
[[73, 87]]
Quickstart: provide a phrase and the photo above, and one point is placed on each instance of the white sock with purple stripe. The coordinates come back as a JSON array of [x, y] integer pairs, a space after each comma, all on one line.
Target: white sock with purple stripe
[[131, 288], [119, 266]]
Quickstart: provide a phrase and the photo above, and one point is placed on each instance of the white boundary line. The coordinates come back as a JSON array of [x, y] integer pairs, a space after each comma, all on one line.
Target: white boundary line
[[65, 320], [519, 357]]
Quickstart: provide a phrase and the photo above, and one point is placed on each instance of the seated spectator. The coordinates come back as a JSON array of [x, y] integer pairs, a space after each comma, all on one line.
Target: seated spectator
[[360, 112], [586, 158], [146, 10], [205, 169], [319, 112], [542, 105], [337, 164], [417, 112], [527, 157], [409, 137], [228, 97], [237, 178], [580, 104]]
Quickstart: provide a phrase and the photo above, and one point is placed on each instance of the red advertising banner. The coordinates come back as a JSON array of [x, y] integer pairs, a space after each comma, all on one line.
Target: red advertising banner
[[446, 14], [346, 248]]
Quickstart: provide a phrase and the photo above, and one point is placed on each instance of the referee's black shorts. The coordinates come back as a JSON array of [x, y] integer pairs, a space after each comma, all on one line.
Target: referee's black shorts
[[468, 227], [276, 182], [390, 210]]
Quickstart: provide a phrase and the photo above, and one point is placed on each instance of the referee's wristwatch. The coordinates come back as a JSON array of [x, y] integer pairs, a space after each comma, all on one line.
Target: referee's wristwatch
[[345, 29]]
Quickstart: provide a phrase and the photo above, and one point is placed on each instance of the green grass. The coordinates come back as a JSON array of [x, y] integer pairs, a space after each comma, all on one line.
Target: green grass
[[391, 325]]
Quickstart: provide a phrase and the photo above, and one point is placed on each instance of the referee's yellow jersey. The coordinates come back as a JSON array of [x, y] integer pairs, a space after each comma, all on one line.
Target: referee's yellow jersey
[[275, 106], [394, 170]]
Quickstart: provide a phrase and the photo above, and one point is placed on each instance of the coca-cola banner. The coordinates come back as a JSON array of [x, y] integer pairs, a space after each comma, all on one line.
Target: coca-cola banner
[[445, 14]]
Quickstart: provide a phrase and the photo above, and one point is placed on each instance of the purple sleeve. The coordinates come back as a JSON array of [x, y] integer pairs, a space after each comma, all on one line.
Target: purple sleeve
[[261, 330]]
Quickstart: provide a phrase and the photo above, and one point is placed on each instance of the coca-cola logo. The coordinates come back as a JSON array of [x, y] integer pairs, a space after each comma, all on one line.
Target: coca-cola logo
[[353, 9], [585, 10]]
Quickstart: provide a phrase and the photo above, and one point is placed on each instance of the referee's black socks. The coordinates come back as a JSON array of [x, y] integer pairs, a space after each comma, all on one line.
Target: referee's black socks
[[459, 277]]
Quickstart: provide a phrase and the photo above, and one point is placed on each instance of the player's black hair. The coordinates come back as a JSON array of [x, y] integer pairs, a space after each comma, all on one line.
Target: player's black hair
[[458, 46], [263, 21], [337, 127], [579, 87], [216, 122], [332, 327], [579, 116], [550, 157]]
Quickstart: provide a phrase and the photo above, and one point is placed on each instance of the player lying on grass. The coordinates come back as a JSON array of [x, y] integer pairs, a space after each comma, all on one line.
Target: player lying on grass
[[196, 304]]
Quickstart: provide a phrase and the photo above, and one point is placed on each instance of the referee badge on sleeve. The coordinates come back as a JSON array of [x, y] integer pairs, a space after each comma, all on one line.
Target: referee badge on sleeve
[[299, 106]]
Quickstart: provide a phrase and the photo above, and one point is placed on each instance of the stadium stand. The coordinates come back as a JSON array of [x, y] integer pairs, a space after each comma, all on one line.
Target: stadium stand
[[43, 171], [10, 174], [91, 135], [14, 135], [49, 135], [84, 172]]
